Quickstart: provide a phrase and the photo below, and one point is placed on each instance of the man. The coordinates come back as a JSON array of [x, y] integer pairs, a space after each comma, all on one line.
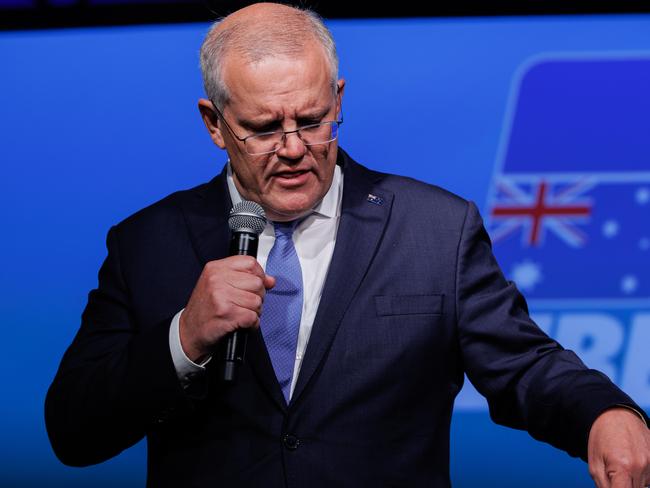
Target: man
[[384, 292]]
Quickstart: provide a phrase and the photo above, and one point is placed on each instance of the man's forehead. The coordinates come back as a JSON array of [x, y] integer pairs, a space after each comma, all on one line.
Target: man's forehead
[[279, 87], [311, 53]]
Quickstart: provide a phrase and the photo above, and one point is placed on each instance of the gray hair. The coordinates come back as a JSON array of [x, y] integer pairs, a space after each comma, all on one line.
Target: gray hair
[[282, 35]]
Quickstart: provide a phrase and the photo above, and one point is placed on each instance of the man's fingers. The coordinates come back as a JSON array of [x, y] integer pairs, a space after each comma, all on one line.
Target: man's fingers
[[621, 479], [628, 472], [247, 264], [242, 280], [248, 300], [597, 472]]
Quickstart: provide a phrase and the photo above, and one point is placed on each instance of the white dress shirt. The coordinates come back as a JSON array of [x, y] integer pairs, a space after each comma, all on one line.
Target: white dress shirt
[[314, 239]]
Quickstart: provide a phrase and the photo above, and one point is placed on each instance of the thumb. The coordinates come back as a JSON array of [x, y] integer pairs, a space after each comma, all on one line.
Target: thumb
[[269, 281]]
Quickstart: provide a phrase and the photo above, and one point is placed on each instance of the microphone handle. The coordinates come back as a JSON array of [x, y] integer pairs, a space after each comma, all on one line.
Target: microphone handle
[[241, 244]]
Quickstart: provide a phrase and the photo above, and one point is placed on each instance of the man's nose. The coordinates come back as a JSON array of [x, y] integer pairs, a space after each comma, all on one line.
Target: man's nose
[[292, 146]]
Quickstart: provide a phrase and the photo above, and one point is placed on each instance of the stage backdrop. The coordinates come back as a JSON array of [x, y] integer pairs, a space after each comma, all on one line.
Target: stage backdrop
[[541, 121]]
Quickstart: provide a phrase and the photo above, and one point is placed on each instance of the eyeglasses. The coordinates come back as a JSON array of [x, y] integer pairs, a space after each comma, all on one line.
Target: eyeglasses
[[269, 142]]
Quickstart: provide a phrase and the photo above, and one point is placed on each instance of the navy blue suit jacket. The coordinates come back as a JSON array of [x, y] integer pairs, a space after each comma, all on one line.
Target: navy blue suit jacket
[[413, 300]]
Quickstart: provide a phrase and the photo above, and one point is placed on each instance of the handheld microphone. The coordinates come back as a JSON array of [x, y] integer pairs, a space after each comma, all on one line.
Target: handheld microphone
[[246, 222]]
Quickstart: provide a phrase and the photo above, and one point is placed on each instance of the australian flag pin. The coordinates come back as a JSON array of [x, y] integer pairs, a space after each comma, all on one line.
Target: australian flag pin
[[375, 199]]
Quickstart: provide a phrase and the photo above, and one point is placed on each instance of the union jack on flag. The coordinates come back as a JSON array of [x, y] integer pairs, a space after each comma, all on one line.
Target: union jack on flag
[[540, 206]]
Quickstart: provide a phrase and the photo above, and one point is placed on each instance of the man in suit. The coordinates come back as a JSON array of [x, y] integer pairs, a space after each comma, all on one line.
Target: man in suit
[[384, 294]]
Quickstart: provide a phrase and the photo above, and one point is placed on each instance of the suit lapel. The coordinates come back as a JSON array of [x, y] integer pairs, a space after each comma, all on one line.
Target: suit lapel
[[206, 215], [364, 214], [257, 357]]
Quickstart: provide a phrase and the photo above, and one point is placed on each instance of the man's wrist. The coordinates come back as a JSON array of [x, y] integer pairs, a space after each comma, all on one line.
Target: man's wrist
[[631, 409], [186, 369]]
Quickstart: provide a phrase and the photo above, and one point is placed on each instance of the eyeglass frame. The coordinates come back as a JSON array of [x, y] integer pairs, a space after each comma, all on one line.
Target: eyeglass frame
[[283, 132]]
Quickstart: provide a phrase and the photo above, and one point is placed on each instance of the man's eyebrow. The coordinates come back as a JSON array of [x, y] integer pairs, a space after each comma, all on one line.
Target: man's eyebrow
[[262, 122], [315, 113], [258, 123]]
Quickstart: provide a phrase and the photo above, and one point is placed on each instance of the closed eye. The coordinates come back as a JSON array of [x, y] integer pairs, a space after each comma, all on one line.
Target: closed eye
[[254, 128], [266, 128], [303, 123]]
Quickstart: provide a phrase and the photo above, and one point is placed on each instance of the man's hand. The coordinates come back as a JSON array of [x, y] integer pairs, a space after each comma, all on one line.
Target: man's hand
[[619, 450], [228, 296]]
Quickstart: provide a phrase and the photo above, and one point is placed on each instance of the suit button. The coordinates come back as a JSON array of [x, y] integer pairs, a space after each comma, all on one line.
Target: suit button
[[291, 442]]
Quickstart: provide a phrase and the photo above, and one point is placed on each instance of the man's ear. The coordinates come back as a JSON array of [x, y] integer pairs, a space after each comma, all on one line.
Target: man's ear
[[340, 87], [212, 122]]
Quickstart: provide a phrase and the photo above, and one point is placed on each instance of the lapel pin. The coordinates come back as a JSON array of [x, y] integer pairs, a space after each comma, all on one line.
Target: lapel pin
[[375, 199]]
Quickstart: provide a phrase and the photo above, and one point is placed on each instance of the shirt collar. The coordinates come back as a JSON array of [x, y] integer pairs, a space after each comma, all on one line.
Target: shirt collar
[[329, 206]]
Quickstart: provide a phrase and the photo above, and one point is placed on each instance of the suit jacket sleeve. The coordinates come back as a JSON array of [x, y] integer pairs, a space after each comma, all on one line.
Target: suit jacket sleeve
[[529, 380], [116, 380]]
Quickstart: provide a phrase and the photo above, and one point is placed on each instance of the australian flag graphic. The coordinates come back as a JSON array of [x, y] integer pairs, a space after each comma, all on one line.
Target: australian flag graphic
[[569, 206]]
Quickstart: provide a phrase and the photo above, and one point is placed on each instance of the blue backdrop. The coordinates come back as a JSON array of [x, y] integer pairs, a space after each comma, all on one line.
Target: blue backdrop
[[541, 121]]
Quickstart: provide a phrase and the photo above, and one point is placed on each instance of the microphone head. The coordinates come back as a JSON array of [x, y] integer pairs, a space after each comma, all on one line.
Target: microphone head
[[247, 216]]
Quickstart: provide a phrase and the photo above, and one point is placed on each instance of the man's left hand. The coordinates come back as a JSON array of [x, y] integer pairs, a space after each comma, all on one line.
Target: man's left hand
[[619, 450]]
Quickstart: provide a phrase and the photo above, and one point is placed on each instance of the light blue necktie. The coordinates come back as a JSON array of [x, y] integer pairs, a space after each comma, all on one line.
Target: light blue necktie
[[282, 309]]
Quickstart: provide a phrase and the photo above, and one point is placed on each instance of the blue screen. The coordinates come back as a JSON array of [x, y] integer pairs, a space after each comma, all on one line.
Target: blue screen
[[541, 121]]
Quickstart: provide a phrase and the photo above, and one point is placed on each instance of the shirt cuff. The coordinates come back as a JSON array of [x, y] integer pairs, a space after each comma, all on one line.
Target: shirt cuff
[[186, 369]]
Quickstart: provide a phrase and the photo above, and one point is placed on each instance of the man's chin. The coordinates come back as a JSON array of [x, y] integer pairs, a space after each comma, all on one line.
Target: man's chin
[[285, 214]]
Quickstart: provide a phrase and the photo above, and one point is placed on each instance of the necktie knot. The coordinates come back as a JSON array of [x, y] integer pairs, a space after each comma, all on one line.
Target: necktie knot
[[284, 229]]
